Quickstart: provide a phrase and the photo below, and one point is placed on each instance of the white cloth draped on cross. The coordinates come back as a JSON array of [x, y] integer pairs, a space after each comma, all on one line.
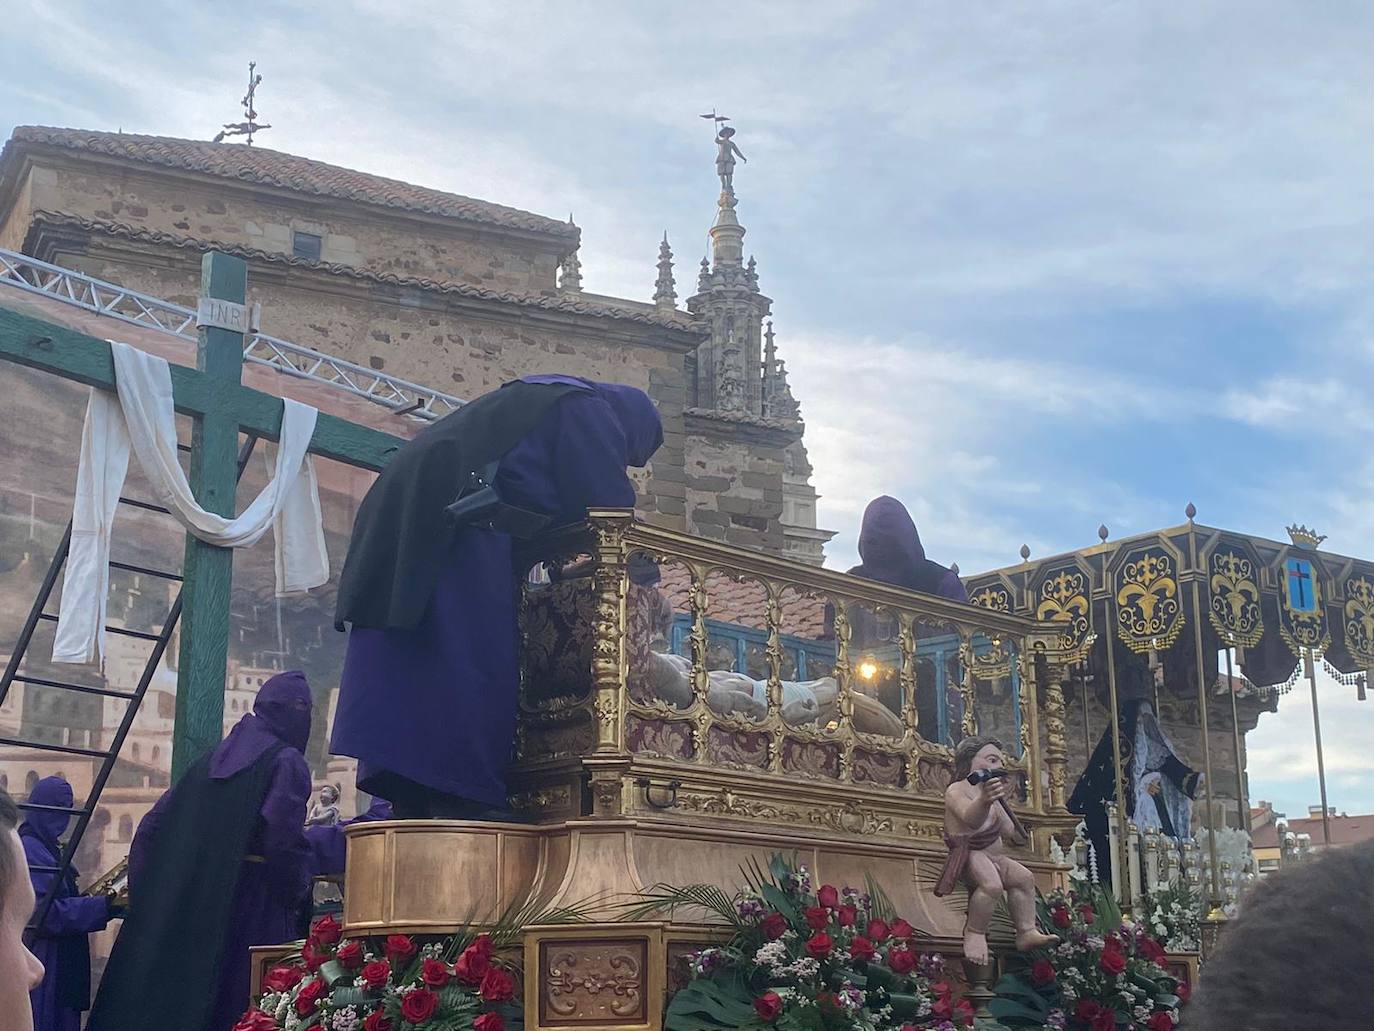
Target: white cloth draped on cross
[[142, 418]]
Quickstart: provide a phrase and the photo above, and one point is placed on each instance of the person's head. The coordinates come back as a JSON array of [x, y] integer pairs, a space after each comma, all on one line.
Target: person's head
[[976, 753], [20, 970], [638, 418], [53, 791], [329, 794], [284, 704], [1298, 954]]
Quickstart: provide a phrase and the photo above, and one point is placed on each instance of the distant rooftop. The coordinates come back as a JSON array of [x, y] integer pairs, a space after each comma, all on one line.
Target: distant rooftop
[[287, 171]]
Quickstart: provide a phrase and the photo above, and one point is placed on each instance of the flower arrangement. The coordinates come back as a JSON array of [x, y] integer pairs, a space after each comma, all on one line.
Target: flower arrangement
[[798, 959], [395, 984], [1105, 976], [1173, 914]]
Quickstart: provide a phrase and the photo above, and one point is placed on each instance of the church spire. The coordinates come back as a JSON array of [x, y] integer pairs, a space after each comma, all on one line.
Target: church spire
[[665, 292]]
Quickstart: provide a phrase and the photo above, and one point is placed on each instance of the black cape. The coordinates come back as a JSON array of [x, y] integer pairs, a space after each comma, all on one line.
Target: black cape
[[1097, 786], [164, 971], [401, 529]]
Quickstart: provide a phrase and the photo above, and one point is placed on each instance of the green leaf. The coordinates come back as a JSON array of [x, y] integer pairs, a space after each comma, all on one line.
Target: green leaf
[[708, 1003], [333, 973], [1017, 1014]]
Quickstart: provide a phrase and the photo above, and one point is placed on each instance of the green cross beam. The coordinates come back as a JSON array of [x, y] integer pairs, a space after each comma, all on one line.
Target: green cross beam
[[221, 407]]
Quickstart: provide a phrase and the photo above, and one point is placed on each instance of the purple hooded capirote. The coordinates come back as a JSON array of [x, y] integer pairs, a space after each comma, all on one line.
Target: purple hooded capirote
[[274, 878], [432, 710], [62, 942], [892, 553]]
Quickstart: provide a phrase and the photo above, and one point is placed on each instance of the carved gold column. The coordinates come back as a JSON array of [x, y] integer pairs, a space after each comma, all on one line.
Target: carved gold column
[[701, 684], [1030, 726], [773, 655], [969, 724], [608, 630], [1056, 740], [843, 676], [906, 643]]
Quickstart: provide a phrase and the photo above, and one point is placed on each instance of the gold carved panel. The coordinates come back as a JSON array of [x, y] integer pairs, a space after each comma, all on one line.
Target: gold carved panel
[[605, 976]]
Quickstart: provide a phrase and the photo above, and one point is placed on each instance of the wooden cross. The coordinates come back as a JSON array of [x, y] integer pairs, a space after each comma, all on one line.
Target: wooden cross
[[221, 407]]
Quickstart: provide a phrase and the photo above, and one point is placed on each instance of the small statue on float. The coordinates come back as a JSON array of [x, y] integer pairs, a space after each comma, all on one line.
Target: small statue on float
[[325, 812], [977, 818]]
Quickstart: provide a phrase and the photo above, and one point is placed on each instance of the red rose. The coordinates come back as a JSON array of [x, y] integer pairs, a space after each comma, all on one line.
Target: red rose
[[482, 944], [350, 955], [281, 979], [1112, 961], [828, 896], [819, 945], [1151, 950], [1161, 1021], [963, 1012], [817, 917], [399, 948], [943, 1009], [377, 1022], [497, 986], [313, 960], [1087, 1011], [326, 931], [1183, 991], [419, 1006], [849, 916], [940, 988], [1104, 1021], [1042, 971], [473, 964], [901, 961], [774, 926], [1087, 914], [489, 1022], [901, 929], [768, 1006], [309, 997], [434, 972], [256, 1020], [877, 930], [862, 948], [376, 975], [1060, 916]]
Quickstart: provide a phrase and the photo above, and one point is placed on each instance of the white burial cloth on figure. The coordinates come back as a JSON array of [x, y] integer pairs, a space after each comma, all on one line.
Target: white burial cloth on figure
[[142, 418]]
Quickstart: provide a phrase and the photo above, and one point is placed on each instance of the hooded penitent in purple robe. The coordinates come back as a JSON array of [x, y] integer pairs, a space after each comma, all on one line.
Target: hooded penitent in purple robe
[[61, 943], [892, 553], [219, 864], [430, 712]]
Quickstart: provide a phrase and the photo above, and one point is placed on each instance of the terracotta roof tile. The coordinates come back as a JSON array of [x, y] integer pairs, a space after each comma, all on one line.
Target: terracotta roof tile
[[681, 323], [289, 172], [1345, 830]]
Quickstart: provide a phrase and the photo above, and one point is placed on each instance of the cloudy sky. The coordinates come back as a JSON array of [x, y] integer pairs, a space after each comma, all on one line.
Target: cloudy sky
[[1036, 267]]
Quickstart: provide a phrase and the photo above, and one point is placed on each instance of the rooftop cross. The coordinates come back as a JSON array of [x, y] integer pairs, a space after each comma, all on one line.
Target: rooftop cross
[[246, 128]]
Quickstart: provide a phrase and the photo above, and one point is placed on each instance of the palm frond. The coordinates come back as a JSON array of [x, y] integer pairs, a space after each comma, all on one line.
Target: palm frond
[[880, 903], [667, 899], [507, 929]]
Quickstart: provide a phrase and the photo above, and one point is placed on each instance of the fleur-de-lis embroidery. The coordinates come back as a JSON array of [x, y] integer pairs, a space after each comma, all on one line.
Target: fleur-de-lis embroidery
[[1064, 599], [1359, 618], [1235, 602], [1149, 614]]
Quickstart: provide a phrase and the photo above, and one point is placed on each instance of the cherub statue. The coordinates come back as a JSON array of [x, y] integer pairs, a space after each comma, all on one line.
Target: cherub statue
[[725, 159], [977, 818], [325, 812]]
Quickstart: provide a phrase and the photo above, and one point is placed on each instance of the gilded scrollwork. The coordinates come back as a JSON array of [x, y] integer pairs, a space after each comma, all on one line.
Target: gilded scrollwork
[[1056, 744], [1148, 612], [996, 598], [849, 818], [593, 982]]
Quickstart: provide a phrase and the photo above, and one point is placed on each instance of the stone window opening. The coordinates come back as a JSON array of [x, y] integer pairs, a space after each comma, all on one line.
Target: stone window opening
[[306, 245]]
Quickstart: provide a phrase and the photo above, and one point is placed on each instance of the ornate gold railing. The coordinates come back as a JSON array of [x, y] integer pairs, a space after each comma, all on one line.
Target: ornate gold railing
[[667, 673]]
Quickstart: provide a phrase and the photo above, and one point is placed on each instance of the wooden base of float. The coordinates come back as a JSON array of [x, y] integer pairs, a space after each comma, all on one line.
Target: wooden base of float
[[430, 877]]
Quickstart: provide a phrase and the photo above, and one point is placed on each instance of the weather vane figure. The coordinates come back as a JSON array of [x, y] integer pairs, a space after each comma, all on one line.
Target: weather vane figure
[[246, 128], [726, 153]]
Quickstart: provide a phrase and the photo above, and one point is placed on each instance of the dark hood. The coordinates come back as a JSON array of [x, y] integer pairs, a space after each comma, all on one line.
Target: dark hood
[[48, 827], [281, 714], [634, 411]]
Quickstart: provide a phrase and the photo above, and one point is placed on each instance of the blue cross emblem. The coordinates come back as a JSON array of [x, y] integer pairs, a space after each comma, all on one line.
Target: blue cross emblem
[[1302, 594]]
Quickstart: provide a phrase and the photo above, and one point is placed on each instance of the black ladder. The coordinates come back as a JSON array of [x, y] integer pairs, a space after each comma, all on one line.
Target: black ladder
[[134, 698]]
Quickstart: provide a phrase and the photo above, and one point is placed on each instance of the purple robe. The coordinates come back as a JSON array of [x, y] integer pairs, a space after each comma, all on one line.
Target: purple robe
[[62, 942], [328, 846], [433, 709], [274, 878], [892, 553]]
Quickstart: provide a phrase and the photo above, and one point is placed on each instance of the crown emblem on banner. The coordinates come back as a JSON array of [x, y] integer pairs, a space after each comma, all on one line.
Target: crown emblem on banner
[[1304, 538]]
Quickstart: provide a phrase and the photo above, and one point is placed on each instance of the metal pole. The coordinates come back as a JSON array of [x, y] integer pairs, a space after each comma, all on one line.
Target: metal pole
[[1241, 799], [1317, 730], [1215, 879]]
